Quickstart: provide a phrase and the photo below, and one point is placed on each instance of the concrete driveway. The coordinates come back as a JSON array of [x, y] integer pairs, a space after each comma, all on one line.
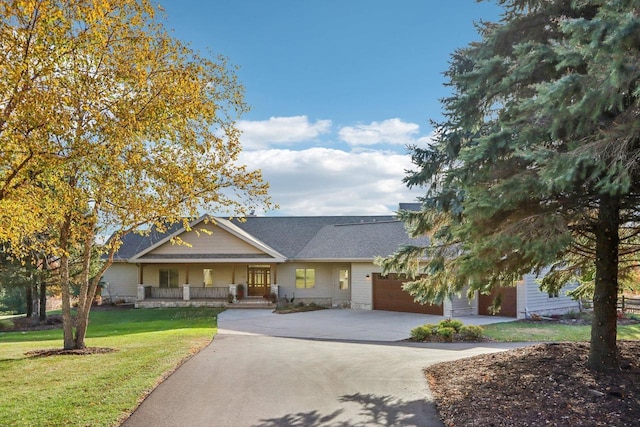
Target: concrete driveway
[[305, 369], [336, 324]]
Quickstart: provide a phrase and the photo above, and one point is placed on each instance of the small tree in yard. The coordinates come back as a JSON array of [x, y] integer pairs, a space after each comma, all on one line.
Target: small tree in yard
[[536, 165], [108, 124]]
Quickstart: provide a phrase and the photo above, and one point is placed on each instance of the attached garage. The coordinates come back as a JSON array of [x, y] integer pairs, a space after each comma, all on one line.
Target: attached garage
[[509, 306], [388, 295]]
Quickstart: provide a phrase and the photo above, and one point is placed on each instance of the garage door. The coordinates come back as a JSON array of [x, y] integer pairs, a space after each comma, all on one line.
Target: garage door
[[509, 302], [388, 295]]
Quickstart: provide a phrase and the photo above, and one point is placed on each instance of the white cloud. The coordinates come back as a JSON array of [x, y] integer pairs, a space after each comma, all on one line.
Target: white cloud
[[323, 181], [280, 130], [391, 131]]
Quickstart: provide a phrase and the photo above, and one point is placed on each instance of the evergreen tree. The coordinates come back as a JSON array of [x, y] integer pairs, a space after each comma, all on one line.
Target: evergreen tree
[[535, 168]]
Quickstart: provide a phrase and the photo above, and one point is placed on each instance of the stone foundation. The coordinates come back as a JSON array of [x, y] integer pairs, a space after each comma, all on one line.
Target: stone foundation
[[156, 303], [360, 306]]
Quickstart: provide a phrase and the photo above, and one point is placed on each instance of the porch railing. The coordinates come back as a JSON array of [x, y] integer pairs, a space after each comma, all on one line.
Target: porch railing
[[166, 293], [209, 293], [152, 292]]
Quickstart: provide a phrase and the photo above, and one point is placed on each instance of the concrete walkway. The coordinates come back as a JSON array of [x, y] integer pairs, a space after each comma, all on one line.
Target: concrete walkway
[[259, 371]]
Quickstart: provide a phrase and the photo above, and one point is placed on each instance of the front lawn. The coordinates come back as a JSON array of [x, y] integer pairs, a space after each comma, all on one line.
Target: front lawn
[[550, 331], [97, 389]]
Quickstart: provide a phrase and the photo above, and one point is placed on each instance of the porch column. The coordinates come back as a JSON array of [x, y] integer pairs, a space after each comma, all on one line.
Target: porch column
[[186, 279], [140, 273], [447, 308], [140, 295], [186, 296], [233, 290]]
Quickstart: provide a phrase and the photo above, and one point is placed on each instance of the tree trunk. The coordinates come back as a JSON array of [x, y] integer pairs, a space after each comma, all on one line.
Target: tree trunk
[[81, 331], [87, 287], [43, 301], [603, 354], [29, 295], [64, 284]]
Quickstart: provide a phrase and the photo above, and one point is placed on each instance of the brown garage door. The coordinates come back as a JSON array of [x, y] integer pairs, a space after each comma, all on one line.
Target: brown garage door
[[388, 295], [509, 302]]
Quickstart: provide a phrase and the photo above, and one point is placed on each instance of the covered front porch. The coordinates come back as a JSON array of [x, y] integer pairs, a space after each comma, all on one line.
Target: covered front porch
[[194, 296], [206, 284]]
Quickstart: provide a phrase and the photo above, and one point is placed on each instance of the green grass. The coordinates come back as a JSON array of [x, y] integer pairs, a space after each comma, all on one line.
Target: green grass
[[98, 389], [550, 332]]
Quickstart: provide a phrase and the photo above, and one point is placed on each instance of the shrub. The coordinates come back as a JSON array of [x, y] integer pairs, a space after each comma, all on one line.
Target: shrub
[[446, 332], [471, 332], [451, 323], [421, 333]]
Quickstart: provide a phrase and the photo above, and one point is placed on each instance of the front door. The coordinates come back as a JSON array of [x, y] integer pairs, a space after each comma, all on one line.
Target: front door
[[258, 281]]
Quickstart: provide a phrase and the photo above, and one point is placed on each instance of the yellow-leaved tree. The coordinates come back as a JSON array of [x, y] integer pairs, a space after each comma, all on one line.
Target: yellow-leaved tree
[[107, 123]]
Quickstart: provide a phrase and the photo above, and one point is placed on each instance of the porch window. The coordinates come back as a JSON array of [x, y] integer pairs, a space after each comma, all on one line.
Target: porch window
[[343, 279], [169, 278], [207, 275], [305, 277]]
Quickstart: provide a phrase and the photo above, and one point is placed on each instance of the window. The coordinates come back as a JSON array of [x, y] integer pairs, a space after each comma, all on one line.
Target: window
[[169, 278], [305, 277], [343, 279], [207, 275]]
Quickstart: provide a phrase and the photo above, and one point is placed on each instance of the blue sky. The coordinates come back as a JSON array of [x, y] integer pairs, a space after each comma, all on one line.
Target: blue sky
[[337, 89]]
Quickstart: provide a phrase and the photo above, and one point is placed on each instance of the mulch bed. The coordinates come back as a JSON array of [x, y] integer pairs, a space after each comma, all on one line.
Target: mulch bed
[[540, 385], [75, 352], [54, 321], [287, 309]]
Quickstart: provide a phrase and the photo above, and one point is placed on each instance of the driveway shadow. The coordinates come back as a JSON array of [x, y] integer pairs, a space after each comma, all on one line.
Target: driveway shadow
[[374, 410]]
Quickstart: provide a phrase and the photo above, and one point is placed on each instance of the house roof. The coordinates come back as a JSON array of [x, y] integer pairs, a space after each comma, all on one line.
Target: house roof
[[290, 235], [366, 240], [134, 243], [268, 252], [291, 238]]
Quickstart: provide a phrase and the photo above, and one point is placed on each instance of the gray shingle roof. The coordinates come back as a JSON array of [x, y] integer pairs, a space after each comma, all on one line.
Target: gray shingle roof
[[353, 241], [319, 237], [134, 243], [290, 235]]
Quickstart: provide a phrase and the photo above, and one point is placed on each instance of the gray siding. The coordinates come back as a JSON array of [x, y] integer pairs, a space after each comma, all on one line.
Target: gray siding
[[323, 289], [122, 280], [541, 303], [460, 305], [361, 290]]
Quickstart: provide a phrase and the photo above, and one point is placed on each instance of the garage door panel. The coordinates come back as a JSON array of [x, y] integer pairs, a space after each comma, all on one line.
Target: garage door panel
[[389, 295]]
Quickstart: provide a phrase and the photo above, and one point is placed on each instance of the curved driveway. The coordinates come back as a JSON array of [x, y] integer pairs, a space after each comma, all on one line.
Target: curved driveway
[[323, 368]]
